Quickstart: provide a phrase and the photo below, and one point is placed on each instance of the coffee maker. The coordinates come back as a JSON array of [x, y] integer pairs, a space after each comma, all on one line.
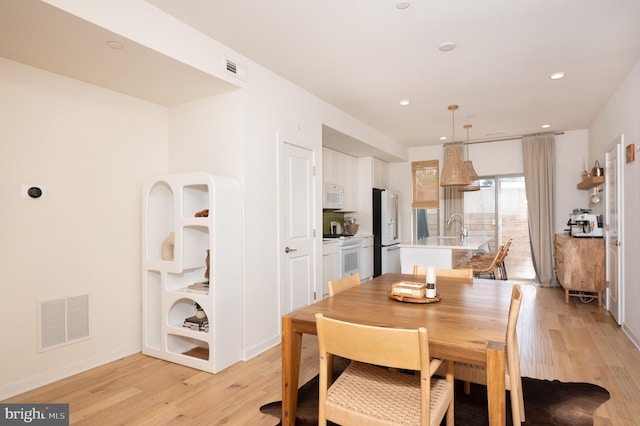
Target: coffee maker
[[585, 225]]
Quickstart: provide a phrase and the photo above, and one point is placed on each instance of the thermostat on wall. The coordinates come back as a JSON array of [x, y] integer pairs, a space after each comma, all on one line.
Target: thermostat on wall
[[32, 191]]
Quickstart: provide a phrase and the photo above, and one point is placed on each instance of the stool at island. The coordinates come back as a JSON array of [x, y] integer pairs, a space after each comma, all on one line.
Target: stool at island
[[191, 270]]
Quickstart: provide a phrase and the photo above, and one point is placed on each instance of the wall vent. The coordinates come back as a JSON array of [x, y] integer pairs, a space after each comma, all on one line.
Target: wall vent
[[236, 70], [63, 321]]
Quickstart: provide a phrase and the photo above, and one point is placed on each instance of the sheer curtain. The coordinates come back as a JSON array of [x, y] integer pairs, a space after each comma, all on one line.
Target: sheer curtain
[[539, 158]]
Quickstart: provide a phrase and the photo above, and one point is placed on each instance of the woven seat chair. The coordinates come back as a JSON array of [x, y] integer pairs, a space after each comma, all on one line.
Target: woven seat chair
[[484, 267], [500, 264], [464, 275], [513, 381], [372, 390], [338, 286]]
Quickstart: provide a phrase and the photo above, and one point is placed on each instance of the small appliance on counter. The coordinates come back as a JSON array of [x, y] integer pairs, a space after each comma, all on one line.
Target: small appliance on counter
[[583, 224]]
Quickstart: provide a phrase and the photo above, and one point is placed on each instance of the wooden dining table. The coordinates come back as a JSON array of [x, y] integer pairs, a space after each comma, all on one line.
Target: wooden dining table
[[468, 324]]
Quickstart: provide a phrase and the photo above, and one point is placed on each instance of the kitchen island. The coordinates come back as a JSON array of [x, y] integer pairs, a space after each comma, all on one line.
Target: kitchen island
[[441, 252]]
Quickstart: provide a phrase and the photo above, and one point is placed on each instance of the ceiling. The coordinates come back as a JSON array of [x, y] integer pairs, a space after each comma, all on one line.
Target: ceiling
[[35, 33], [364, 56]]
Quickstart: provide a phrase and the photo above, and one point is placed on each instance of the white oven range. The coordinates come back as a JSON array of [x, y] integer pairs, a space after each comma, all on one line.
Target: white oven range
[[348, 255]]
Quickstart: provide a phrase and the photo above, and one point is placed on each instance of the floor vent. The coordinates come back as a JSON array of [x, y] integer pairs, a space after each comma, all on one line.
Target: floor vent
[[63, 321], [236, 70]]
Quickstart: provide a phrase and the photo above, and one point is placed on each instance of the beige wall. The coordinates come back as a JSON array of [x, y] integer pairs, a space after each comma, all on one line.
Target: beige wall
[[90, 149], [621, 116]]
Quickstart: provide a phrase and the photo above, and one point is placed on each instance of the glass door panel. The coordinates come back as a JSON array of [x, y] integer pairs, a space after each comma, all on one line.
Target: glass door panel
[[499, 209]]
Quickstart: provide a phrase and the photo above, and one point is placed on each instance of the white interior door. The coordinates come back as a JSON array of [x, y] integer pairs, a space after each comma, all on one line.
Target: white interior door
[[613, 229], [296, 201]]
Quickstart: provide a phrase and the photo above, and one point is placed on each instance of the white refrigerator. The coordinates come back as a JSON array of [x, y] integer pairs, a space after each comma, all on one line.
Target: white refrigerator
[[386, 232]]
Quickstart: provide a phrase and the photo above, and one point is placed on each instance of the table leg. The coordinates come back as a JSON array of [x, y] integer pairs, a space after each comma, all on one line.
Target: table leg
[[291, 354], [495, 383]]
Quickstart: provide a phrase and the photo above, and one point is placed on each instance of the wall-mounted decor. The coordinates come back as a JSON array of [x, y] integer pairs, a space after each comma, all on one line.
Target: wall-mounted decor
[[631, 153]]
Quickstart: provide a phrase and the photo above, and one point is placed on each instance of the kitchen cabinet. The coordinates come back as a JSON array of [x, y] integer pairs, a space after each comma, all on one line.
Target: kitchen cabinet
[[366, 258], [191, 257], [580, 266], [342, 169], [380, 173], [329, 265]]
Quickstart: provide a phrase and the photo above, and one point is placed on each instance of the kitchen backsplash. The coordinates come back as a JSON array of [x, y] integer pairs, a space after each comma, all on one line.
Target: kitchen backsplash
[[330, 216]]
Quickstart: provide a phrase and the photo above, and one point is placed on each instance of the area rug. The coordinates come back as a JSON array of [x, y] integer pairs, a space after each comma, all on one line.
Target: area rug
[[545, 402]]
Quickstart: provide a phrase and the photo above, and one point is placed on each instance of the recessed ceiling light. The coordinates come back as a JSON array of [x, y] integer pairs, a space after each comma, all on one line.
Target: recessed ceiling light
[[557, 75], [405, 102], [402, 4], [546, 126], [443, 138], [115, 44], [447, 46]]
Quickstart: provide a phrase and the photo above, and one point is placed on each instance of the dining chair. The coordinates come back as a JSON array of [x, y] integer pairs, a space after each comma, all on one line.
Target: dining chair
[[484, 267], [470, 373], [367, 392], [500, 263], [464, 275], [342, 284]]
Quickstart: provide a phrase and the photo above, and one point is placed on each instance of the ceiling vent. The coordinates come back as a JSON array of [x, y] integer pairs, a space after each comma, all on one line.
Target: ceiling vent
[[236, 70]]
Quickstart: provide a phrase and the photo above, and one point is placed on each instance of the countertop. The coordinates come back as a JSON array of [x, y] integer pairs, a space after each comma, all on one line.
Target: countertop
[[470, 243]]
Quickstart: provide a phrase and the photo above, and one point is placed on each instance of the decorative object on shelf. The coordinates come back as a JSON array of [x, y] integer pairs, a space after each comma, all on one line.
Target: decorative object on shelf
[[631, 153], [202, 213], [471, 172], [453, 169], [197, 323], [168, 246], [199, 311], [206, 274], [597, 170]]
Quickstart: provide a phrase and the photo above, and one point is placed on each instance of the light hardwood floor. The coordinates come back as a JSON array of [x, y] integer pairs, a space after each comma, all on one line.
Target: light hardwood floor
[[576, 342]]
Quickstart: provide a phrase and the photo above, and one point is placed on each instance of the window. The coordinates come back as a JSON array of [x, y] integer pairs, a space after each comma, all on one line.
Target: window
[[426, 197], [426, 186]]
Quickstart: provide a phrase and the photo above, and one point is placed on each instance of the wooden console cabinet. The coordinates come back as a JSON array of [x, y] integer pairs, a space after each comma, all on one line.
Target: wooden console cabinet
[[580, 266]]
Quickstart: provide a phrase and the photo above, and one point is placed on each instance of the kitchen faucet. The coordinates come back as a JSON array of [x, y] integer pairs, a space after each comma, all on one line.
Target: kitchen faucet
[[464, 232]]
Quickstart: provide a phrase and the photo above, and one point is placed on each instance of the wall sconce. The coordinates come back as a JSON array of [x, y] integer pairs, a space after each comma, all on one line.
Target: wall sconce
[[595, 199]]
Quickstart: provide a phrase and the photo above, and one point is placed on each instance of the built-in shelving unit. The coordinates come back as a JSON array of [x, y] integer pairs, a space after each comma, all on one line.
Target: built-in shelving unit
[[188, 219]]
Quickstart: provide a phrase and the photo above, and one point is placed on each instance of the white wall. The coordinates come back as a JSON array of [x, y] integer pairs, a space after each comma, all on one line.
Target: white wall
[[621, 115], [90, 149], [503, 158]]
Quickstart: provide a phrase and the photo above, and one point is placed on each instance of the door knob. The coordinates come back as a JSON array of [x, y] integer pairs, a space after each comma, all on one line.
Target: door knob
[[289, 250]]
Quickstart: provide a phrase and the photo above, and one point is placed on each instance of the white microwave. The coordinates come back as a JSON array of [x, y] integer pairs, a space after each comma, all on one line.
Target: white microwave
[[332, 196]]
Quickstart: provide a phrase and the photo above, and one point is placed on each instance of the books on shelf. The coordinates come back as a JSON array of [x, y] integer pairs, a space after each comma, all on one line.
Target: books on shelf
[[198, 288], [196, 324]]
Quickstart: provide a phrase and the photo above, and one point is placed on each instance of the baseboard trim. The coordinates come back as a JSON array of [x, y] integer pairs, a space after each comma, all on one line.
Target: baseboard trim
[[261, 347], [8, 390], [631, 335]]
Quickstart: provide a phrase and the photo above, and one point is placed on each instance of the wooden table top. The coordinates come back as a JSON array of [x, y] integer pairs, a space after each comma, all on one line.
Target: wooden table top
[[460, 326]]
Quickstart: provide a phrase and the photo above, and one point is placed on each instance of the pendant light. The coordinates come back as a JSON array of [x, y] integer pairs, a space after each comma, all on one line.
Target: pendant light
[[453, 170], [473, 176]]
